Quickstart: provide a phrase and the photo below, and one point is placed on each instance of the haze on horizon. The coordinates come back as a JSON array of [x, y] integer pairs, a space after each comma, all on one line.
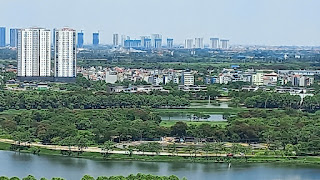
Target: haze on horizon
[[246, 22]]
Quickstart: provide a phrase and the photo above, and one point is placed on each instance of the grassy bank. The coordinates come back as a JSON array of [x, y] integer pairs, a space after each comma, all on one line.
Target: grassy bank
[[98, 156]]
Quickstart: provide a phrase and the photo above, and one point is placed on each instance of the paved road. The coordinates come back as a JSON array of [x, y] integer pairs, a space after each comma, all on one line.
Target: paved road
[[99, 150]]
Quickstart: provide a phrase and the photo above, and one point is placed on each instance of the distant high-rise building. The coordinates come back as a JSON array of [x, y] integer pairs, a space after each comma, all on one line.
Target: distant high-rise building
[[95, 39], [123, 38], [65, 53], [115, 40], [13, 37], [153, 39], [132, 43], [34, 52], [147, 43], [214, 43], [224, 44], [199, 43], [158, 43], [143, 38], [188, 44], [169, 43], [80, 39], [2, 36]]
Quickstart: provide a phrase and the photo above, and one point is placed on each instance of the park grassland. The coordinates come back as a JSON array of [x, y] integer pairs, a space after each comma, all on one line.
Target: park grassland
[[156, 158]]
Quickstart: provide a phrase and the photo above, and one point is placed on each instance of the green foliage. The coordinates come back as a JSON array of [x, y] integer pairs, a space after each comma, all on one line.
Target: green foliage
[[84, 100], [29, 177]]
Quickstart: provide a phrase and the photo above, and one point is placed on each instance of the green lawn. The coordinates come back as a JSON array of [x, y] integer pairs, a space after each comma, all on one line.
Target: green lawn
[[170, 123]]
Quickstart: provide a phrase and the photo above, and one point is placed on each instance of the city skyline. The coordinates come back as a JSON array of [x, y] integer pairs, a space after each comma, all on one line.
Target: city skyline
[[246, 22]]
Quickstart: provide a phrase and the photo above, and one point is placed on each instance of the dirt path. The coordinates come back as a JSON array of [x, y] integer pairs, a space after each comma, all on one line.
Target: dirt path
[[99, 150]]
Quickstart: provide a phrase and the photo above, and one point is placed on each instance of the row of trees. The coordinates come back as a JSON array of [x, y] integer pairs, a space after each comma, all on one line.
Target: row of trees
[[261, 99], [88, 177], [84, 100], [82, 128]]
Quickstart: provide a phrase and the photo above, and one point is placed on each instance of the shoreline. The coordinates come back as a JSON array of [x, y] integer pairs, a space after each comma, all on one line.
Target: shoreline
[[301, 160]]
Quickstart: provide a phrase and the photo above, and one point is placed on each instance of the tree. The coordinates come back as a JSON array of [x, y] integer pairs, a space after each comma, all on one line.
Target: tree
[[68, 141], [35, 150], [107, 147], [82, 142], [207, 148], [14, 178], [21, 136], [102, 178], [130, 151], [142, 148], [172, 148], [87, 177], [29, 177], [179, 129]]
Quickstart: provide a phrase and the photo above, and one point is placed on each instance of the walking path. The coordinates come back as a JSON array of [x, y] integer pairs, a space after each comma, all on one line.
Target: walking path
[[99, 150]]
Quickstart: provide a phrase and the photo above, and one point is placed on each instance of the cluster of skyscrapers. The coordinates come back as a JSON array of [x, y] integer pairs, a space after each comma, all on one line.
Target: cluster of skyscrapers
[[155, 41], [147, 42], [34, 52], [215, 43]]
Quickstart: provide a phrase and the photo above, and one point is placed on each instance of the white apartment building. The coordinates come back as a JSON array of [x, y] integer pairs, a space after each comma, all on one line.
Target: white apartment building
[[34, 52], [199, 43], [65, 53], [214, 43], [115, 40], [111, 77], [224, 44], [188, 44], [187, 78]]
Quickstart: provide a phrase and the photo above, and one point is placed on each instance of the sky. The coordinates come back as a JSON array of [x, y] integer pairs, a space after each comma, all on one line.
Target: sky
[[245, 22]]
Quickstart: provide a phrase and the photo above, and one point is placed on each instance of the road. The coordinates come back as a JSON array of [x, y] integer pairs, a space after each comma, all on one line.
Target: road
[[99, 150]]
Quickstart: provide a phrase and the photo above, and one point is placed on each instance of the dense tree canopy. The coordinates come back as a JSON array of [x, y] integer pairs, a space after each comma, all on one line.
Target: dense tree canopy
[[84, 100]]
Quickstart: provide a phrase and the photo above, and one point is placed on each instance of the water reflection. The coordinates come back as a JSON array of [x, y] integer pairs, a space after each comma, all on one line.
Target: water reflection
[[15, 164], [185, 117]]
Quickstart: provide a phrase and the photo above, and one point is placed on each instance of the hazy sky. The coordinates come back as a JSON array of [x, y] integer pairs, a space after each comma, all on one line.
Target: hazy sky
[[261, 22]]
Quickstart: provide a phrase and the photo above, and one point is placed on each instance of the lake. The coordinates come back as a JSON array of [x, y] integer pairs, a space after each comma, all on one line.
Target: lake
[[207, 105], [184, 117], [21, 164]]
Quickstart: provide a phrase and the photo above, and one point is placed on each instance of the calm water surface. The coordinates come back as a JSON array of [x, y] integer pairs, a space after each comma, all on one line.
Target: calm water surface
[[184, 117], [15, 164]]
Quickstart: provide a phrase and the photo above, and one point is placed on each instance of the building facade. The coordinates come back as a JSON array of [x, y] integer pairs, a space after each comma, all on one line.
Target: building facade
[[13, 37], [214, 43], [115, 40], [224, 44], [199, 43], [188, 44], [187, 78], [80, 40], [169, 43], [95, 39], [154, 39], [65, 53], [34, 52], [2, 36]]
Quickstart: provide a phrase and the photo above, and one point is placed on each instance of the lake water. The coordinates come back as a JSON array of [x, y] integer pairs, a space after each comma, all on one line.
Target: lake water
[[184, 117], [20, 164], [207, 105]]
